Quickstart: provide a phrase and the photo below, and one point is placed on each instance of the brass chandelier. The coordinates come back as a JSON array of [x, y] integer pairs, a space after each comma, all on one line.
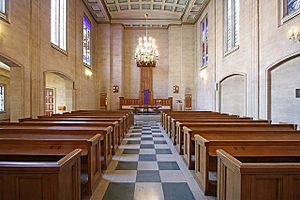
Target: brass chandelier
[[146, 53]]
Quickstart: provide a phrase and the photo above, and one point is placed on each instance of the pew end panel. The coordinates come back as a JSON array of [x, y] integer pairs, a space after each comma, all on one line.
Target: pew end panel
[[41, 180], [256, 179]]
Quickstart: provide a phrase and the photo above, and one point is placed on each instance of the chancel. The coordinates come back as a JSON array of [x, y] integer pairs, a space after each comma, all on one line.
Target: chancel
[[149, 99]]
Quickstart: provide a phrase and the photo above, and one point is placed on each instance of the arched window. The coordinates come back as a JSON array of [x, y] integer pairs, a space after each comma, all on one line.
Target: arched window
[[3, 9], [232, 24], [2, 98], [59, 23], [86, 41], [204, 41], [292, 6]]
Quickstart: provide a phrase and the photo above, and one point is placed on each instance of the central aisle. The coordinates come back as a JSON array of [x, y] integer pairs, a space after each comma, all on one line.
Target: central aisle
[[147, 167]]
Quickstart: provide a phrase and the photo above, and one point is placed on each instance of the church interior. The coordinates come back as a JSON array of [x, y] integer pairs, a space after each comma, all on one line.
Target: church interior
[[149, 99]]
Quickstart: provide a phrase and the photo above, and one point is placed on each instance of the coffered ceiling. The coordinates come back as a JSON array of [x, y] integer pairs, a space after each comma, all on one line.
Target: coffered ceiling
[[161, 13]]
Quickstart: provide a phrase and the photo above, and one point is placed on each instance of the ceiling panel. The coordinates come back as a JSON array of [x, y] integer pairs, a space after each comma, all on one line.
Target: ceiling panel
[[161, 13]]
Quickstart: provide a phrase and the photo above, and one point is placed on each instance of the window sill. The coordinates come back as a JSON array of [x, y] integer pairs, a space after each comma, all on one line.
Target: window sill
[[59, 49], [203, 67], [87, 66], [290, 16], [231, 51], [4, 17]]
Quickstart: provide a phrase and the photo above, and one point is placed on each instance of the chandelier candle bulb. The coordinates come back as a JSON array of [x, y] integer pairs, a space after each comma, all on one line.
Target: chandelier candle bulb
[[146, 54]]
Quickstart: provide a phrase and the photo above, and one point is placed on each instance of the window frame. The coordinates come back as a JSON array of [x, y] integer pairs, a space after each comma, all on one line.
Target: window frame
[[284, 12], [206, 27], [4, 16], [58, 47], [85, 64], [4, 99], [233, 47]]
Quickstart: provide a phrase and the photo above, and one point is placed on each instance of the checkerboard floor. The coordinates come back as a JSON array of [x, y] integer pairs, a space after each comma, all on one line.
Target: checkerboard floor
[[147, 167]]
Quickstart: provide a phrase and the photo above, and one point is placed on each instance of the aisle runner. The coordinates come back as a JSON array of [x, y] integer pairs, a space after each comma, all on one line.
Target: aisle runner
[[146, 167]]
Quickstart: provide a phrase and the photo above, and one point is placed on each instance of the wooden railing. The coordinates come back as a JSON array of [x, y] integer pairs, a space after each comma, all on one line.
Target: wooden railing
[[137, 102]]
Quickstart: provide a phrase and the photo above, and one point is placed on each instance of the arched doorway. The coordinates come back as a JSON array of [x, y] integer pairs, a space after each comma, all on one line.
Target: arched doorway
[[283, 105], [12, 97], [58, 93], [233, 94]]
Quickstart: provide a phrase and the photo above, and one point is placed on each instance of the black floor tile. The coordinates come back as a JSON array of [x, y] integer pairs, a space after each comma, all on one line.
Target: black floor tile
[[147, 138], [157, 135], [147, 157], [146, 133], [177, 191], [131, 151], [163, 151], [169, 165], [148, 176], [147, 146], [127, 166], [160, 142], [120, 191]]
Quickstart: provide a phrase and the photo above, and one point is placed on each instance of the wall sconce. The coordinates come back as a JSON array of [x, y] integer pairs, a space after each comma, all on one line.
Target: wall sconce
[[88, 72], [115, 89], [293, 35], [176, 89]]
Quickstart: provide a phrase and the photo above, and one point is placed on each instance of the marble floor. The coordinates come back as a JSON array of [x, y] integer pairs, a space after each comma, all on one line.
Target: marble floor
[[147, 167]]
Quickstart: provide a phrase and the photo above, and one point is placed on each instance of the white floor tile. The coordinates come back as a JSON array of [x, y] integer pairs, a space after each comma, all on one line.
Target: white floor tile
[[148, 191], [147, 165]]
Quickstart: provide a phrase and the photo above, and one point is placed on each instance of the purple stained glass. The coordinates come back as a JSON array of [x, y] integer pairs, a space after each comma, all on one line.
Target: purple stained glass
[[86, 41], [204, 42], [293, 5]]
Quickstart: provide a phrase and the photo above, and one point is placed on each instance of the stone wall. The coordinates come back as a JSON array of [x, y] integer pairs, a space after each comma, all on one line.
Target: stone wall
[[25, 46], [264, 44]]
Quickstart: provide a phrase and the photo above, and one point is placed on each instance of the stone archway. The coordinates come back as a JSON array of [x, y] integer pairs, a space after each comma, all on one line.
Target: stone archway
[[233, 94], [62, 86], [14, 75], [282, 82]]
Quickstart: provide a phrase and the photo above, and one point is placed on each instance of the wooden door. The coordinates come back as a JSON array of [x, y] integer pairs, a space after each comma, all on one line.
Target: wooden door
[[188, 101], [103, 101], [49, 99]]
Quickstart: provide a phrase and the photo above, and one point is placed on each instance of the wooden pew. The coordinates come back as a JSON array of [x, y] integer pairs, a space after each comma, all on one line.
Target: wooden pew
[[71, 132], [229, 128], [241, 144], [186, 122], [257, 178], [52, 144], [83, 119], [215, 122], [56, 178], [103, 116], [123, 126], [172, 120], [164, 114], [129, 112], [114, 124]]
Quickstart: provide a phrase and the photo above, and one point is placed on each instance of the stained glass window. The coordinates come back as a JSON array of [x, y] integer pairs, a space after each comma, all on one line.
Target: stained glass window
[[2, 98], [292, 6], [86, 41], [59, 23], [204, 41], [232, 21], [2, 6]]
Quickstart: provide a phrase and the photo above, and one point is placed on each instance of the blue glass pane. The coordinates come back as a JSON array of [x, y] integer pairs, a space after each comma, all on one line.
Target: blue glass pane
[[293, 5], [86, 41]]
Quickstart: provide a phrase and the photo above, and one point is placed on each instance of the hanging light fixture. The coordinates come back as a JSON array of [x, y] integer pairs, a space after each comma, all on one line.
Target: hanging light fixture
[[146, 53]]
